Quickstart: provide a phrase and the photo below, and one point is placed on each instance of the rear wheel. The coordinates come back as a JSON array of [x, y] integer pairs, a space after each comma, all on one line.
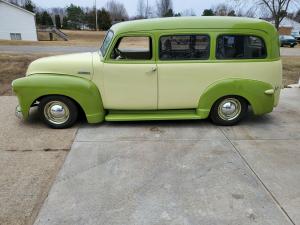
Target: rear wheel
[[229, 110], [58, 111]]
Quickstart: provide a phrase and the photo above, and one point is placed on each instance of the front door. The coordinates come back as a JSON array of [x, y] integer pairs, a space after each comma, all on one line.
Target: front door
[[130, 75]]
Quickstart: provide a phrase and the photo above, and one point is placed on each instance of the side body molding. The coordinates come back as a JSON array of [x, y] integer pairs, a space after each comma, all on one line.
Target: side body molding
[[83, 91], [252, 90]]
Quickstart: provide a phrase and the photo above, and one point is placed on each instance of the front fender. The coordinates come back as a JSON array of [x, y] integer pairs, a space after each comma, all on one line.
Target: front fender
[[252, 90], [83, 91]]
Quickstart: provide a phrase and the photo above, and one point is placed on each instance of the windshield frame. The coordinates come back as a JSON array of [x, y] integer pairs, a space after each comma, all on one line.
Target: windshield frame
[[105, 50]]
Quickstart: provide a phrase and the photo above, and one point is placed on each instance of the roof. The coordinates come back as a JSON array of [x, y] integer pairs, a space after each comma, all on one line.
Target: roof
[[18, 7], [203, 22]]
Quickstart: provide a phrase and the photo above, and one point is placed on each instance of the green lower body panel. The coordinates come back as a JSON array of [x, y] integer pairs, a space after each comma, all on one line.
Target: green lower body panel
[[116, 115]]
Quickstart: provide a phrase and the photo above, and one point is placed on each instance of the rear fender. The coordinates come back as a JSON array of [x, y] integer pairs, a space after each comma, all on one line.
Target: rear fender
[[255, 92]]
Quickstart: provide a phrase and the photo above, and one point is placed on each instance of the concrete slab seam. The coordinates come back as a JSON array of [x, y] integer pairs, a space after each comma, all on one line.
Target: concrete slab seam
[[260, 180]]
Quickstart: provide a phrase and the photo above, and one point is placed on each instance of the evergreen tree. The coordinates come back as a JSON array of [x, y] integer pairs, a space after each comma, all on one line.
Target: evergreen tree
[[46, 19], [75, 16], [208, 12], [57, 22], [29, 6], [104, 19]]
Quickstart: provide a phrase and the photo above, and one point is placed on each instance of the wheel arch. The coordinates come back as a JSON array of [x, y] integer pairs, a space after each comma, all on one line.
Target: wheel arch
[[252, 91], [82, 91], [80, 108]]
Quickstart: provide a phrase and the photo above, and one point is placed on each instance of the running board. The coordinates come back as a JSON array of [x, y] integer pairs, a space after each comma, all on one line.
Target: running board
[[124, 115]]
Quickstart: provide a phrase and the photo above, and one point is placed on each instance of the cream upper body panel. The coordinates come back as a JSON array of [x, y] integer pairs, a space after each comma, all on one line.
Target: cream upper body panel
[[180, 85], [80, 64]]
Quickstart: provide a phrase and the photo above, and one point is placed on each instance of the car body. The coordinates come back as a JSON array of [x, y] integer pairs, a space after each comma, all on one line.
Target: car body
[[287, 40], [170, 69], [296, 35]]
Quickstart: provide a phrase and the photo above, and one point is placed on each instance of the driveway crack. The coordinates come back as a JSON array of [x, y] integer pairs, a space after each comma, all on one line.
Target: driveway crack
[[260, 180]]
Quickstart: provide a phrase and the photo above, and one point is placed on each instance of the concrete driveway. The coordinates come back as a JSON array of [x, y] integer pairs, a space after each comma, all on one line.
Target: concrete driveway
[[182, 172], [30, 158]]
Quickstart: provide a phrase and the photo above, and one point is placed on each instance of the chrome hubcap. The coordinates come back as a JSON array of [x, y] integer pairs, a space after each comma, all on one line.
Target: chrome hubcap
[[229, 109], [56, 112]]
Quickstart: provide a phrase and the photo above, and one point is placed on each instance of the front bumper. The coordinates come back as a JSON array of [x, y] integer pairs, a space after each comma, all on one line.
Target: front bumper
[[19, 113]]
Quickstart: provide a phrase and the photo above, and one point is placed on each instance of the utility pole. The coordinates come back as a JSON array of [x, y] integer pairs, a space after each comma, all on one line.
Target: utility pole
[[96, 15]]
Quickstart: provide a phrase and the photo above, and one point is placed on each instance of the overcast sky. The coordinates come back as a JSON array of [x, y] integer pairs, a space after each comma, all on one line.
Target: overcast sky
[[131, 5]]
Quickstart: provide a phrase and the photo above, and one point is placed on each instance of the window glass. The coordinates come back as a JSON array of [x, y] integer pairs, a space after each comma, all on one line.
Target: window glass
[[133, 48], [240, 47], [108, 38], [15, 36], [184, 47]]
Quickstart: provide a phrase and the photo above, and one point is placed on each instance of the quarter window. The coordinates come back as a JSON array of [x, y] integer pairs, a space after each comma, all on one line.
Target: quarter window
[[240, 47], [184, 47], [133, 48]]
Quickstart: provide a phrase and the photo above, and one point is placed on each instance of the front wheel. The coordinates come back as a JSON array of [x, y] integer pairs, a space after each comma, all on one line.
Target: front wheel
[[58, 111], [228, 110]]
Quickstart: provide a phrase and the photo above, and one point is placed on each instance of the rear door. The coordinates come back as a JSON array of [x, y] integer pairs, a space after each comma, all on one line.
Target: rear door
[[182, 69]]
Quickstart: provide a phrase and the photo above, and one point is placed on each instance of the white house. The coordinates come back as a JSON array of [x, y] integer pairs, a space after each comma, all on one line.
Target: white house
[[16, 23], [294, 25]]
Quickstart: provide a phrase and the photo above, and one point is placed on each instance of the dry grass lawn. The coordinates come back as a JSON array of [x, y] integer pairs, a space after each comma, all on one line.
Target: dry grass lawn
[[78, 38], [13, 66]]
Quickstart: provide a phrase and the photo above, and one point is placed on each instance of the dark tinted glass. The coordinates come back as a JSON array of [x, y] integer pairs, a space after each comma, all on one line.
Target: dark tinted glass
[[240, 47], [184, 47]]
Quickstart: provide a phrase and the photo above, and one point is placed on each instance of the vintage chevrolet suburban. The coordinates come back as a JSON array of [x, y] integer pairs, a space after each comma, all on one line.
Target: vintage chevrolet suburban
[[160, 69]]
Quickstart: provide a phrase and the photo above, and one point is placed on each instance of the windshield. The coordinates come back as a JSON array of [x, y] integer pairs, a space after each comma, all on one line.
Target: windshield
[[108, 38]]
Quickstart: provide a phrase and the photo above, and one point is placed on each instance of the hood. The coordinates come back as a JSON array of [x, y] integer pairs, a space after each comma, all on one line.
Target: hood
[[80, 64]]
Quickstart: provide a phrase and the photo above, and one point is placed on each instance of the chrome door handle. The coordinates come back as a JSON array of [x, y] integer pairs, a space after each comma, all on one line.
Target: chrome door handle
[[154, 69]]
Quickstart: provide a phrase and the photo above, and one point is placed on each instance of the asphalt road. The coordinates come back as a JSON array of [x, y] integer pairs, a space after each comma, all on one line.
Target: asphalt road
[[73, 49], [182, 172]]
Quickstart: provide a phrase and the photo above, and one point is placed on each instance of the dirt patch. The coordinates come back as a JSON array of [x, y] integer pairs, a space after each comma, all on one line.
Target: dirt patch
[[13, 66]]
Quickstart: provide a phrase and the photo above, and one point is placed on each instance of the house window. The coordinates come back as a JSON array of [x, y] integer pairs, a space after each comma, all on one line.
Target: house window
[[15, 36]]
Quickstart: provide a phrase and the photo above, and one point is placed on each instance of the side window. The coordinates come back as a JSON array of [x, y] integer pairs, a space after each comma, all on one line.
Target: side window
[[184, 47], [240, 47], [133, 48]]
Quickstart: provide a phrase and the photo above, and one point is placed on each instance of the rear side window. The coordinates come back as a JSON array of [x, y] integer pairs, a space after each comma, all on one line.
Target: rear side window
[[240, 47], [184, 47]]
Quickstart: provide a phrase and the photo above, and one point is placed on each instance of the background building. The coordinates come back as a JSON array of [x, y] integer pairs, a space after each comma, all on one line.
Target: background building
[[16, 23]]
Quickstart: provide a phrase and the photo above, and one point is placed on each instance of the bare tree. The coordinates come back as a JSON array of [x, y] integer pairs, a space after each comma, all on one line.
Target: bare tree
[[224, 10], [117, 11], [277, 9], [164, 7], [141, 9]]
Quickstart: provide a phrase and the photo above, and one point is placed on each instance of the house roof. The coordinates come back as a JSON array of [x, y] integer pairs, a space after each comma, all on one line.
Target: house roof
[[286, 22], [18, 7], [203, 22]]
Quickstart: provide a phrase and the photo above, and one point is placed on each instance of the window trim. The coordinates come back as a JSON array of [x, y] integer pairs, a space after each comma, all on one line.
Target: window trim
[[107, 50], [239, 34], [120, 37], [184, 34]]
